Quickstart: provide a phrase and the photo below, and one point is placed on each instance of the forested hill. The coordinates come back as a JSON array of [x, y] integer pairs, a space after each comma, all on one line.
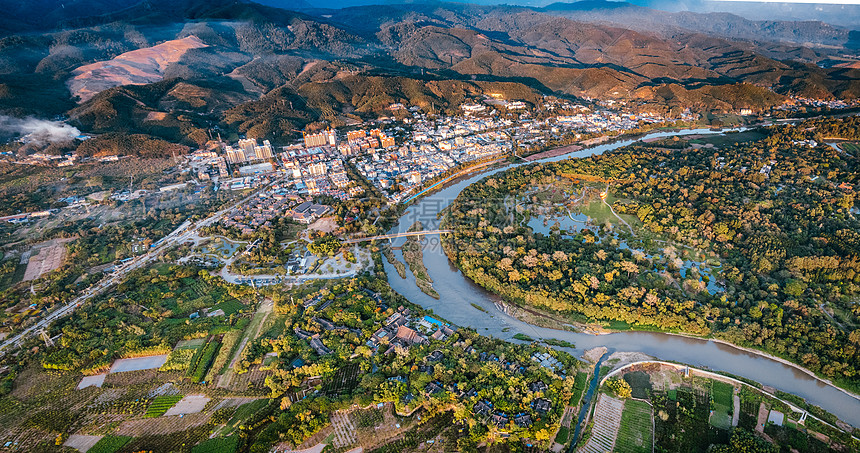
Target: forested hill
[[248, 55], [773, 222]]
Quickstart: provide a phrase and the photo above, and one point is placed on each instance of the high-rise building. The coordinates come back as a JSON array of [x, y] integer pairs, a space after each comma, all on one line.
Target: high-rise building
[[313, 140], [263, 152], [248, 145], [331, 137], [352, 136], [235, 155], [317, 169], [387, 142]]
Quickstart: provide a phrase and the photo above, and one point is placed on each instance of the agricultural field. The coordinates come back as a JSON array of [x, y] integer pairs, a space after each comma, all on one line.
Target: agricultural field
[[635, 432], [439, 432], [109, 444], [640, 384], [241, 414], [217, 445], [202, 359], [607, 421], [850, 147], [721, 393], [682, 425], [181, 356], [721, 140], [161, 404]]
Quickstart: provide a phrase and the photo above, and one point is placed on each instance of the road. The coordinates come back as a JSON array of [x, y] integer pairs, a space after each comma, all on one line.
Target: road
[[178, 236]]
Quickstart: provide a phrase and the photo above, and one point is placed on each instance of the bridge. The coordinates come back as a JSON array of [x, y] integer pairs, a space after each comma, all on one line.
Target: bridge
[[396, 235]]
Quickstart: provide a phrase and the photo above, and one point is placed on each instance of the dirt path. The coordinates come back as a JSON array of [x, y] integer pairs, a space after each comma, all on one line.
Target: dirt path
[[619, 218], [253, 332], [762, 418]]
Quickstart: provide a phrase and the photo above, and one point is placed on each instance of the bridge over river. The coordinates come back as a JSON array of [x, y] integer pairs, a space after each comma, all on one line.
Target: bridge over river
[[396, 235]]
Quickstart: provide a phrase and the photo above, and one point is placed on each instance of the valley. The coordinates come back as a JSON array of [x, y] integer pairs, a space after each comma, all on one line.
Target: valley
[[424, 227]]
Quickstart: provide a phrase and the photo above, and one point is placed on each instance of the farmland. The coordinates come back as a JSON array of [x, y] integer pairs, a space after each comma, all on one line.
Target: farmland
[[161, 404], [217, 445], [721, 394], [109, 444], [635, 433]]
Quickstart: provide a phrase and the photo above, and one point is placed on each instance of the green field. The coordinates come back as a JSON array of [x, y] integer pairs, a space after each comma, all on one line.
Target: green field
[[579, 384], [635, 434], [109, 444], [849, 147], [563, 434], [160, 405], [640, 384], [229, 307], [202, 360], [243, 413], [722, 393], [730, 138], [723, 404], [218, 445], [181, 356]]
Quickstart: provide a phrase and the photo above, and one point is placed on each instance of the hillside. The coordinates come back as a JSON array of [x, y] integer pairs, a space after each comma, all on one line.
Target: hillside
[[137, 67], [725, 25], [184, 68]]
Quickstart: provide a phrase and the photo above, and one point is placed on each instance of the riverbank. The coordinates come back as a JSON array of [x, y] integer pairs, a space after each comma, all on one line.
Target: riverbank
[[546, 320], [711, 375]]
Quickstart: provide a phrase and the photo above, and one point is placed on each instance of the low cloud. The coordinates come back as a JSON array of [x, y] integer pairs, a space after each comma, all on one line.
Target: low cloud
[[38, 131]]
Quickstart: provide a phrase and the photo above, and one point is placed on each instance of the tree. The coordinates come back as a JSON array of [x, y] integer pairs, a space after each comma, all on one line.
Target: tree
[[743, 441], [620, 387]]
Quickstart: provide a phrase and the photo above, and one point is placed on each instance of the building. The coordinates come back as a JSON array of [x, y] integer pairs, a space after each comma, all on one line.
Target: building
[[265, 167], [265, 151], [307, 212], [317, 169], [387, 142], [473, 108], [356, 135], [248, 145], [314, 140], [235, 155], [414, 177]]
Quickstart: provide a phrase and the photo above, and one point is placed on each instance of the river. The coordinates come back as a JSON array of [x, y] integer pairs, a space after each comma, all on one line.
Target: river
[[458, 293]]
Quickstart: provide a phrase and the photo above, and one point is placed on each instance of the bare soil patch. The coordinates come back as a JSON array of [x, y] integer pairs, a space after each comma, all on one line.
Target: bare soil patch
[[190, 404], [82, 442]]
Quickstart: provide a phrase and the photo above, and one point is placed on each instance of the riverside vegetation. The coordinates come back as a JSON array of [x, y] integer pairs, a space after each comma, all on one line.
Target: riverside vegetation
[[772, 221]]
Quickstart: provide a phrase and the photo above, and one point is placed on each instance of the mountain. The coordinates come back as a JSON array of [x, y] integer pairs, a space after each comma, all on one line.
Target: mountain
[[720, 24], [246, 68], [578, 58]]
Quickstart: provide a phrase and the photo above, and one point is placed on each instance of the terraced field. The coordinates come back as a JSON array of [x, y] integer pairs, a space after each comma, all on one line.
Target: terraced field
[[607, 420]]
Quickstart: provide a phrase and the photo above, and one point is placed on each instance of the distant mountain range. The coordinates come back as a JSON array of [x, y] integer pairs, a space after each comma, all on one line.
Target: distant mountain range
[[721, 24], [255, 69]]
